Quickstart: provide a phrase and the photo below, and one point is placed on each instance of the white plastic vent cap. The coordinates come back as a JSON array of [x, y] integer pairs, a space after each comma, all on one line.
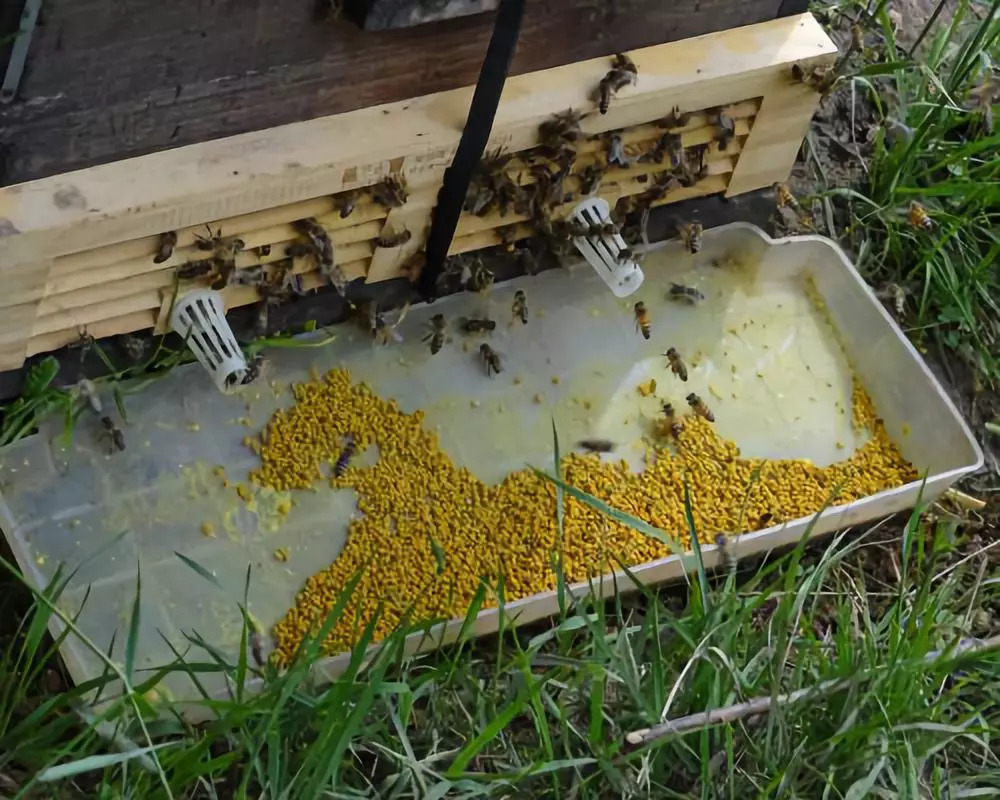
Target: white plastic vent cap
[[200, 318], [604, 253]]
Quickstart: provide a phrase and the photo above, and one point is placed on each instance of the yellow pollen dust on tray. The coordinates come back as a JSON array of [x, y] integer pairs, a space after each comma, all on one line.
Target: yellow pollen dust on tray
[[416, 505]]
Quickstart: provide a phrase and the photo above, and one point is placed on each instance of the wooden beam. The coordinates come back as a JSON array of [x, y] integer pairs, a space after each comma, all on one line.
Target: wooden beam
[[78, 250]]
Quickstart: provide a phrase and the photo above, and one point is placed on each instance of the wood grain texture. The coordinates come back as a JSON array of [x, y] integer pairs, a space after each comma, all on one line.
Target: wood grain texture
[[78, 246], [111, 80]]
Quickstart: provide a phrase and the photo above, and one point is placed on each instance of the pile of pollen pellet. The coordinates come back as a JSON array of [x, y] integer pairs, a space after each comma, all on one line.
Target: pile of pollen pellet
[[428, 532]]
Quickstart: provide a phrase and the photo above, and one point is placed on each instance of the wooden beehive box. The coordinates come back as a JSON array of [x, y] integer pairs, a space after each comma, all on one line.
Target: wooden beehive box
[[76, 250]]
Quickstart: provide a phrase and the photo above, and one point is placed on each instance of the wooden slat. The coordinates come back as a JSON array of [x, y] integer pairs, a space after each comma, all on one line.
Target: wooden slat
[[113, 326], [106, 220]]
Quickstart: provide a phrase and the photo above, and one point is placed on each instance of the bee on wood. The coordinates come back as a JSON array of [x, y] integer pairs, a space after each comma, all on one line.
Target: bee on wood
[[519, 309], [480, 277], [692, 166], [224, 252], [299, 250], [394, 239], [725, 130], [691, 236], [699, 407], [391, 192], [435, 334], [491, 359], [623, 73], [663, 182], [251, 276], [785, 197], [508, 237], [642, 322], [677, 365], [113, 432], [596, 445], [675, 119], [320, 240], [616, 150], [590, 178], [918, 216], [685, 294], [194, 269], [561, 128], [264, 250], [726, 553], [165, 248], [668, 144], [820, 79], [471, 326], [84, 343], [344, 459], [345, 203]]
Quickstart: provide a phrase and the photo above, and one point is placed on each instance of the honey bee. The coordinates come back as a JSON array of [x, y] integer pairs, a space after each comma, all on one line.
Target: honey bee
[[691, 236], [820, 79], [299, 250], [625, 255], [677, 365], [254, 366], [491, 359], [519, 309], [663, 182], [725, 130], [590, 178], [194, 269], [251, 276], [857, 39], [113, 432], [165, 248], [321, 242], [561, 128], [597, 445], [89, 393], [685, 294], [676, 428], [918, 216], [527, 260], [675, 119], [480, 277], [344, 459], [896, 293], [345, 203], [673, 424], [785, 197], [394, 239], [391, 192], [623, 73], [257, 647], [984, 96], [726, 552], [224, 251], [264, 250], [508, 237], [642, 323], [383, 330], [484, 325], [668, 144], [699, 407], [435, 334]]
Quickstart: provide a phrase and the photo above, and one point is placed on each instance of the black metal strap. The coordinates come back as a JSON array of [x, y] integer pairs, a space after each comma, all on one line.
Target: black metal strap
[[474, 139]]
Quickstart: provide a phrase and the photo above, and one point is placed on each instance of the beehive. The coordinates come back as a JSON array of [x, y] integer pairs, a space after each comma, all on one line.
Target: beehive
[[76, 250]]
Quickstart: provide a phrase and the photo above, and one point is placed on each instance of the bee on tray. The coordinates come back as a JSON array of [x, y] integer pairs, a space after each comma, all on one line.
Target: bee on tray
[[471, 326], [480, 278], [394, 239], [344, 459], [699, 407], [519, 309], [677, 365], [691, 236], [642, 323], [597, 445], [491, 359], [918, 216], [435, 334], [623, 73], [685, 294], [670, 418], [165, 248], [113, 432], [383, 330]]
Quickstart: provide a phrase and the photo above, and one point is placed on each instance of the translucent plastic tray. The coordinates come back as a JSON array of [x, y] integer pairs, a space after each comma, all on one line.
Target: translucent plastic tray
[[578, 361]]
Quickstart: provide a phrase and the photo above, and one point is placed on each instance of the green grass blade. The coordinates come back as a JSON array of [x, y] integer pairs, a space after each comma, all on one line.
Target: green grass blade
[[132, 642]]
